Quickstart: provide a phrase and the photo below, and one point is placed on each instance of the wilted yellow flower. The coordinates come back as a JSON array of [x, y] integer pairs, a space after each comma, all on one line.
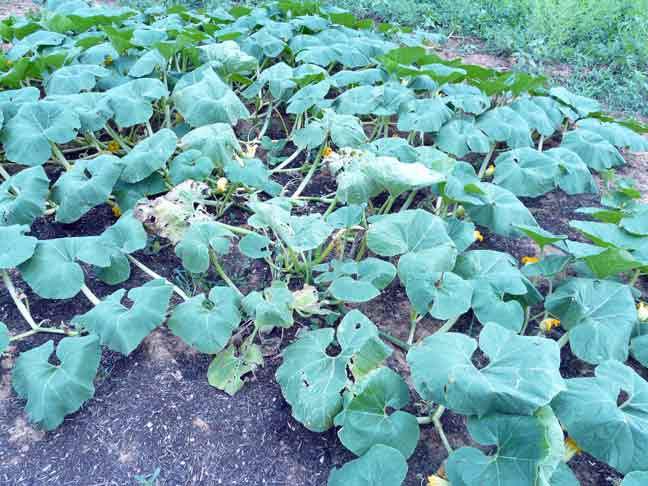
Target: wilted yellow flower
[[327, 152], [478, 236], [527, 260], [571, 448], [221, 185], [490, 171], [116, 211], [548, 324], [179, 118], [113, 146], [435, 480], [642, 311], [108, 60]]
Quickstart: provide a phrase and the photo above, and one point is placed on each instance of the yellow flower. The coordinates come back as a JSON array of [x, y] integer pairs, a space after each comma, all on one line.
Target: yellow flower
[[221, 185], [571, 448], [642, 311], [547, 325], [435, 480], [179, 118], [490, 171], [478, 236], [108, 60], [9, 62], [327, 152], [113, 146], [527, 260], [116, 211], [250, 151]]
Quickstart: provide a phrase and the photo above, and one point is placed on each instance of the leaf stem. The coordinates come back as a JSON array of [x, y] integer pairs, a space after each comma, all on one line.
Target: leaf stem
[[90, 295], [221, 273], [60, 158], [310, 174], [487, 159], [436, 420], [155, 276], [24, 311], [394, 340], [448, 325], [564, 339]]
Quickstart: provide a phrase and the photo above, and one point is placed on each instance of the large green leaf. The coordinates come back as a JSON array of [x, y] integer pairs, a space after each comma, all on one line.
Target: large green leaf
[[53, 272], [607, 415], [539, 113], [54, 391], [575, 177], [149, 155], [635, 478], [413, 230], [522, 372], [616, 134], [499, 210], [28, 136], [147, 63], [583, 105], [88, 107], [495, 278], [599, 316], [312, 380], [86, 185], [227, 58], [203, 98], [466, 98], [123, 329], [132, 102], [503, 124], [379, 466], [461, 137], [529, 449], [218, 142], [526, 172], [365, 421], [15, 246], [430, 284], [252, 173], [424, 115], [74, 79], [608, 235], [594, 150], [191, 164], [352, 281], [307, 97], [23, 196], [207, 323], [198, 241]]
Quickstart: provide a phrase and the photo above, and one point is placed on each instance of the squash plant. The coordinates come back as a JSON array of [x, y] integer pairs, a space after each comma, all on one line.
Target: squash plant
[[164, 114]]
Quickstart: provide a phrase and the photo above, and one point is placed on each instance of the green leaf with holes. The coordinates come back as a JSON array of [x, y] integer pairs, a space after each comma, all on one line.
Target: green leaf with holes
[[522, 372], [230, 365], [312, 380]]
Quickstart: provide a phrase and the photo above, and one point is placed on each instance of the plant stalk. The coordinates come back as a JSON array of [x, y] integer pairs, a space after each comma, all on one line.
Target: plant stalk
[[155, 276]]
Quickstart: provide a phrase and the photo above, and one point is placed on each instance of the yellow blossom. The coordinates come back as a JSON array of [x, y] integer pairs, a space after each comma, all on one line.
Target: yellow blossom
[[327, 151], [642, 311], [9, 62], [113, 146], [435, 480], [548, 324], [571, 448], [108, 60], [116, 211], [250, 151], [221, 185], [490, 171], [179, 118], [527, 260], [478, 236]]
